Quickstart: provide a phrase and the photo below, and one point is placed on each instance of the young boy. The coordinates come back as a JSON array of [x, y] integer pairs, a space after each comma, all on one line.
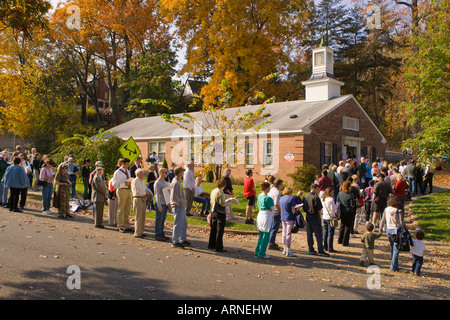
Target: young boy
[[417, 252], [368, 239]]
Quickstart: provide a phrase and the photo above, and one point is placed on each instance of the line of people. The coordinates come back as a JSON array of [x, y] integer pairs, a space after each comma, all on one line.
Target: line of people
[[337, 195]]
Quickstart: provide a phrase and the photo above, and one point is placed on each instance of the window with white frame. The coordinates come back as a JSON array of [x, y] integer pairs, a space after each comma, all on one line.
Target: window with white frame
[[249, 154], [159, 147], [350, 123], [268, 153]]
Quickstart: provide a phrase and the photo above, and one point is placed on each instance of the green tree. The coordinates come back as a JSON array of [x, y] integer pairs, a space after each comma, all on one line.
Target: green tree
[[151, 80], [427, 77]]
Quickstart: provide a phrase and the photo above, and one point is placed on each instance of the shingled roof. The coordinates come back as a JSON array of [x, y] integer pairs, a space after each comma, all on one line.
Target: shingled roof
[[286, 117]]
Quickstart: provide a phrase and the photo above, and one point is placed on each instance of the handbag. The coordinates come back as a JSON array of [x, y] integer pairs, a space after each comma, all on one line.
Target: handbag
[[56, 201], [359, 203], [334, 220], [42, 183]]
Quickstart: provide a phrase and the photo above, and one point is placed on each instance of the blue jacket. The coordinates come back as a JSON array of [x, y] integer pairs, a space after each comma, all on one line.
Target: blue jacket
[[15, 177]]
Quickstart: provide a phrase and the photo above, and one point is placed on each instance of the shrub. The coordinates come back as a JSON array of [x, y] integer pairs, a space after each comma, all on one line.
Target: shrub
[[303, 177]]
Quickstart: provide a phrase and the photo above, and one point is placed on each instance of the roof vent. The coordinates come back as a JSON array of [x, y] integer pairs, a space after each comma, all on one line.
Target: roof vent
[[293, 116]]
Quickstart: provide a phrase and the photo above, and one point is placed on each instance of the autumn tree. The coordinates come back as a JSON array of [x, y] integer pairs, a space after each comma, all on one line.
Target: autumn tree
[[24, 16], [237, 41], [111, 34]]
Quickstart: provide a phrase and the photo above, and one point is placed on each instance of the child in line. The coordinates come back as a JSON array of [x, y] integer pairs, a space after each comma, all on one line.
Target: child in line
[[368, 239], [417, 252]]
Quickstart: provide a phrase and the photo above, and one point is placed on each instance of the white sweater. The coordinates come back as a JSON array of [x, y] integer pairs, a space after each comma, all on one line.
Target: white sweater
[[329, 208]]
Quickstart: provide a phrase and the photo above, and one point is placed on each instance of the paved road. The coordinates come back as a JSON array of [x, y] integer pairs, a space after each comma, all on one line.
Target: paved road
[[36, 250]]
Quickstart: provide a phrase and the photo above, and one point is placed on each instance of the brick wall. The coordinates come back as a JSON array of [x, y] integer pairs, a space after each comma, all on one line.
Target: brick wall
[[306, 148]]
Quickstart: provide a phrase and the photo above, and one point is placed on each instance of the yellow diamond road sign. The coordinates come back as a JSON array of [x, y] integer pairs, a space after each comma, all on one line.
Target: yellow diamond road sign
[[130, 150]]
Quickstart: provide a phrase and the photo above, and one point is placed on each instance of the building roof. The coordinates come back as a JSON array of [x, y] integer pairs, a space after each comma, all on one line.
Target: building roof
[[286, 117]]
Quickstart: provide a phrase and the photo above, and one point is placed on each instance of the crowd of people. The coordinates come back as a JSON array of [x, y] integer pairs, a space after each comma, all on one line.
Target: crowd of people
[[342, 196]]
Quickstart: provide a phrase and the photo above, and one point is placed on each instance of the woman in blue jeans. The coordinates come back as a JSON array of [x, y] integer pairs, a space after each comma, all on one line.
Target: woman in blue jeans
[[47, 175], [391, 220]]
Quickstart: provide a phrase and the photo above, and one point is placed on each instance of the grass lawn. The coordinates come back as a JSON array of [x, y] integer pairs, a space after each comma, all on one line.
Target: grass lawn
[[239, 210], [433, 215]]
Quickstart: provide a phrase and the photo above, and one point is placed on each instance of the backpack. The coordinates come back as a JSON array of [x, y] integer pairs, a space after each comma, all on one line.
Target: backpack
[[299, 222], [404, 239]]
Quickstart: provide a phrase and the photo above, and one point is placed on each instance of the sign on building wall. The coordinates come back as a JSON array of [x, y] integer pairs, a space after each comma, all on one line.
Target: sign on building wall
[[289, 156]]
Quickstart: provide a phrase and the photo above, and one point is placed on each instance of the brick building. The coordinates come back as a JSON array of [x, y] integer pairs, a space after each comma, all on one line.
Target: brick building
[[324, 128]]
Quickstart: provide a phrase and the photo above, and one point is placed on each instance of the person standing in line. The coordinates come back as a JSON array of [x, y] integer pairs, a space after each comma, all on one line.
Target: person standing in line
[[112, 205], [27, 168], [275, 194], [264, 220], [368, 197], [160, 205], [178, 204], [428, 178], [136, 165], [411, 172], [3, 190], [85, 172], [362, 173], [347, 203], [381, 192], [36, 164], [154, 159], [228, 191], [122, 184], [218, 217], [287, 206], [140, 193], [391, 220], [46, 175], [62, 191], [250, 195], [99, 194], [313, 207], [189, 185], [15, 179], [171, 173], [324, 182], [73, 172], [400, 188], [329, 212], [151, 179]]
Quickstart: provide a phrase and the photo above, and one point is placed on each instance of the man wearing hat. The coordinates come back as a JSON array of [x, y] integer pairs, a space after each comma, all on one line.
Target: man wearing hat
[[99, 194], [381, 192], [140, 194]]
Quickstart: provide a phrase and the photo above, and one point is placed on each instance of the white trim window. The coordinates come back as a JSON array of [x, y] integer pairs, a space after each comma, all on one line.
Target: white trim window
[[268, 153], [249, 154], [159, 147], [350, 123]]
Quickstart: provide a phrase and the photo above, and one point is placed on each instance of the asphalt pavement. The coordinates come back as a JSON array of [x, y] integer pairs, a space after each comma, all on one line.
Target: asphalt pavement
[[43, 257]]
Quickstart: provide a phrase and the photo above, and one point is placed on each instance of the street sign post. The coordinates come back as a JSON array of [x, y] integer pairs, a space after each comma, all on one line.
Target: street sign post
[[130, 150]]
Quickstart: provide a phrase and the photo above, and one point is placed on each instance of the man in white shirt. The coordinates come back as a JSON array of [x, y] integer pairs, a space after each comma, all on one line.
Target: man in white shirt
[[189, 185], [275, 194], [140, 193], [122, 183]]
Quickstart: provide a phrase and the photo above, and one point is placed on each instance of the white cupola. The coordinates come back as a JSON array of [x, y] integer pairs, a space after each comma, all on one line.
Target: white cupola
[[322, 85]]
